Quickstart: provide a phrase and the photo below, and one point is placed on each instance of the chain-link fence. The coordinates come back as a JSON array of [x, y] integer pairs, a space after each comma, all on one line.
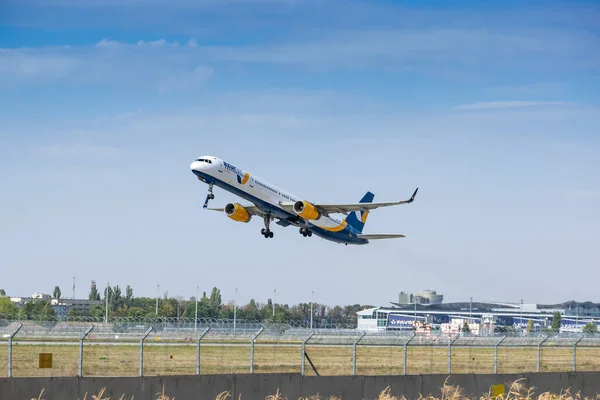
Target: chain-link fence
[[130, 348]]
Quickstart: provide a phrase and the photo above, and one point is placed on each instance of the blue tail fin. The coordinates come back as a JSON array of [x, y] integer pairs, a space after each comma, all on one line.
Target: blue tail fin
[[357, 219]]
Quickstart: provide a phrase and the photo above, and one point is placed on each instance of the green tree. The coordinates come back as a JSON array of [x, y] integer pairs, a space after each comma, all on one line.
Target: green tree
[[590, 327], [128, 295], [166, 309], [529, 326], [73, 312], [251, 311], [556, 319], [115, 299], [37, 308], [94, 295], [136, 312], [465, 327], [56, 293], [98, 311], [7, 306], [108, 291], [2, 293], [215, 301]]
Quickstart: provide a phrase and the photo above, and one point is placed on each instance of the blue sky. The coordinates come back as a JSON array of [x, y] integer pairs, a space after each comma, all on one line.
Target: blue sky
[[491, 109]]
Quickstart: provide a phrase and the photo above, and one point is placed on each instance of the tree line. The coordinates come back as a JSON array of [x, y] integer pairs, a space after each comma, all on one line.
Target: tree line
[[127, 305]]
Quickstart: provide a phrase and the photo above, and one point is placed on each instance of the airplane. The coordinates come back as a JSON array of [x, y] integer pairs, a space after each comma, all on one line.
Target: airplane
[[270, 202]]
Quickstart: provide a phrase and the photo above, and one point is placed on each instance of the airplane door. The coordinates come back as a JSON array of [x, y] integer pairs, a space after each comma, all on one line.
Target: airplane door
[[220, 166], [251, 182]]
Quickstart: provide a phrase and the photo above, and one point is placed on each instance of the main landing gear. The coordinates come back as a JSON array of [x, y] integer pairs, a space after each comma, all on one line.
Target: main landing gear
[[210, 195], [305, 232], [266, 231]]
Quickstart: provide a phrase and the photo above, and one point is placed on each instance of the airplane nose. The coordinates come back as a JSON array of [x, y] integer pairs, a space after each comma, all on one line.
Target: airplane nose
[[195, 166]]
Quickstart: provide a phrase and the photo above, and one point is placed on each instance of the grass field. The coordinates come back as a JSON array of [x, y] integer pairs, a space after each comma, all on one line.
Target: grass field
[[123, 360]]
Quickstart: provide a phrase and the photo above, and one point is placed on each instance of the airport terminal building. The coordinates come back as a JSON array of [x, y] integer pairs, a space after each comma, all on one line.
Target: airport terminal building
[[483, 318]]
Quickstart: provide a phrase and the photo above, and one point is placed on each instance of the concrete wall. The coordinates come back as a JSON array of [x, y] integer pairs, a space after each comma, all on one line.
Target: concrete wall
[[292, 386]]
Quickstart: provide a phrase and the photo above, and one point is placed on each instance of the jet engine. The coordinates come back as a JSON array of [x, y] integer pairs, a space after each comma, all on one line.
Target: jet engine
[[237, 213], [306, 210]]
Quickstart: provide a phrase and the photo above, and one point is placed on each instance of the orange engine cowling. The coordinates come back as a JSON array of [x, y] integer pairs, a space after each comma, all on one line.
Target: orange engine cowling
[[306, 210], [237, 213]]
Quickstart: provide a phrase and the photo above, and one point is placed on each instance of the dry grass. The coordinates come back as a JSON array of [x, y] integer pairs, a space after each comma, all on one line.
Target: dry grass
[[123, 360], [516, 391]]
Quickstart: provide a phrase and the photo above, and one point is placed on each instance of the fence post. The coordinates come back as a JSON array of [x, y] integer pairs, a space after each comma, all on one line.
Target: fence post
[[575, 354], [496, 355], [252, 349], [142, 350], [539, 353], [405, 345], [303, 351], [354, 354], [450, 352], [10, 338], [81, 339], [198, 350]]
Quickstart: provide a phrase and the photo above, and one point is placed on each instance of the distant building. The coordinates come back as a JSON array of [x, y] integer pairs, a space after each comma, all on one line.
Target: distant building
[[81, 305], [41, 296], [488, 316], [61, 306], [424, 297]]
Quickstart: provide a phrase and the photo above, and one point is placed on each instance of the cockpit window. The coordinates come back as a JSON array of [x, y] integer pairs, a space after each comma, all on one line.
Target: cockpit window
[[204, 160]]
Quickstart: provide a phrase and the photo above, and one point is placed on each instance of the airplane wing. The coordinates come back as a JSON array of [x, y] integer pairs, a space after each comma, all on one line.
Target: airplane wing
[[348, 208], [380, 236]]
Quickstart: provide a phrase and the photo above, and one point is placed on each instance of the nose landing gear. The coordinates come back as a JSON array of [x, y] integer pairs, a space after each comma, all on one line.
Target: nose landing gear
[[210, 195]]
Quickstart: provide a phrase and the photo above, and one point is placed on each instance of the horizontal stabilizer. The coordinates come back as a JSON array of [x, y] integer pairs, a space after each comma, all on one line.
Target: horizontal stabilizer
[[380, 236]]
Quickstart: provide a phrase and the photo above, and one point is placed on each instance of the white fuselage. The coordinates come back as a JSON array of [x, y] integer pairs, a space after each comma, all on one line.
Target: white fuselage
[[254, 188]]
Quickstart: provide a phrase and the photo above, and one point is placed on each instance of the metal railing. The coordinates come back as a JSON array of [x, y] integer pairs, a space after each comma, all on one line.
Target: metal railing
[[130, 348]]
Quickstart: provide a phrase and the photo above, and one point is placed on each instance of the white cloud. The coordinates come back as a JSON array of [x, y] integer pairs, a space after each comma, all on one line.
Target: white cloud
[[32, 64], [109, 62], [492, 105], [432, 51], [194, 78]]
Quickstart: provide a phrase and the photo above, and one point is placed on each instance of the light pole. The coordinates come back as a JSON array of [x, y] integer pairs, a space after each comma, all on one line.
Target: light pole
[[471, 310], [311, 309], [157, 289], [234, 309], [106, 298], [521, 323], [274, 292], [196, 313]]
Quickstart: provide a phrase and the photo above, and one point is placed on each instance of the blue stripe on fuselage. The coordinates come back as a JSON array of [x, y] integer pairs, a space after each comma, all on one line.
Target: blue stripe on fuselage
[[346, 236]]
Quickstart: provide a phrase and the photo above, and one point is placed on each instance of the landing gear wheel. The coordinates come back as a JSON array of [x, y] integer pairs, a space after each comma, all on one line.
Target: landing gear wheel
[[266, 232], [305, 232]]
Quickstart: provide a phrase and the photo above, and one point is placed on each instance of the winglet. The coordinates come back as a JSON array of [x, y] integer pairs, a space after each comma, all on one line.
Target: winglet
[[412, 198]]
